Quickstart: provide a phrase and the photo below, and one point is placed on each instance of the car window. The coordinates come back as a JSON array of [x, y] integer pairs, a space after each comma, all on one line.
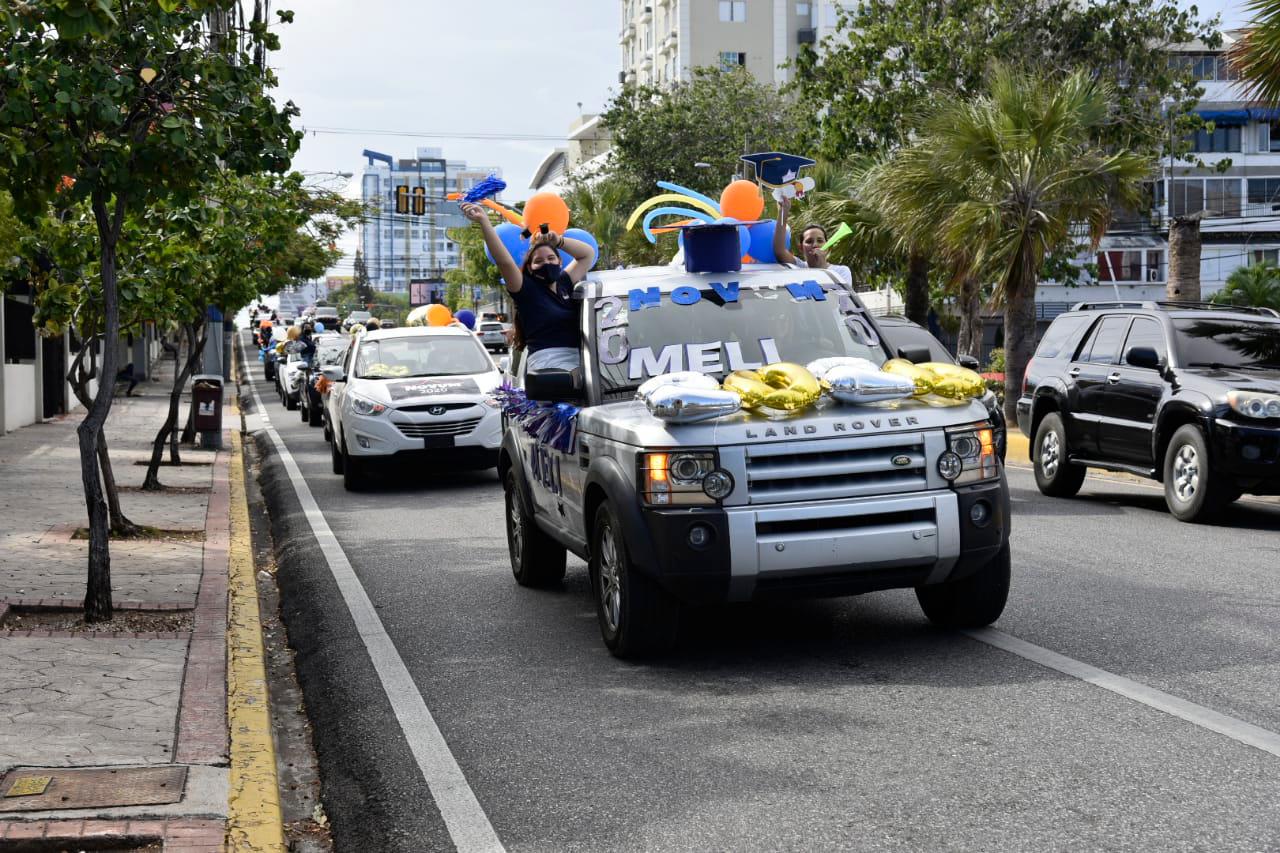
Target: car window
[[1145, 332], [905, 337], [1104, 344], [1229, 342], [1061, 331]]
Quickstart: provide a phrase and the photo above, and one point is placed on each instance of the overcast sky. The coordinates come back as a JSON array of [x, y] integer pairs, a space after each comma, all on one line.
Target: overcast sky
[[392, 69]]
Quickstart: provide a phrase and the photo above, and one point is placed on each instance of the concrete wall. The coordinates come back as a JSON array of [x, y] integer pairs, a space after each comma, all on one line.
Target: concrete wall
[[19, 395]]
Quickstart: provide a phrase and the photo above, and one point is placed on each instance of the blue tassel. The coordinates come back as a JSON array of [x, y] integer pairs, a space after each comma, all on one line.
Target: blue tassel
[[490, 186]]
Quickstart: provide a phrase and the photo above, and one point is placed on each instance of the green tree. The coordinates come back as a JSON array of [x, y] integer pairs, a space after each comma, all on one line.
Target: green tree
[[360, 278], [661, 134], [1256, 55], [473, 269], [136, 102], [1004, 178], [1257, 285], [600, 208]]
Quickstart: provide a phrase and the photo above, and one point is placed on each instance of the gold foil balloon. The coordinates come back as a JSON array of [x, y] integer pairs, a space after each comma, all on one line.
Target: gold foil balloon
[[922, 377], [781, 387], [957, 382]]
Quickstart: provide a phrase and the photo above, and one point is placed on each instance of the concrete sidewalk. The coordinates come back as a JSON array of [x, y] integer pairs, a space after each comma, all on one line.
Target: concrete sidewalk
[[144, 701]]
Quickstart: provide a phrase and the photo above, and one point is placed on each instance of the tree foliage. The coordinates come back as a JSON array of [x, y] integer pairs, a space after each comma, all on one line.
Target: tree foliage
[[1257, 285], [1257, 54]]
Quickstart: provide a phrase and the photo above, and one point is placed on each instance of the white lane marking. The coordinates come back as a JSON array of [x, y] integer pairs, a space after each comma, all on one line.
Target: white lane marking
[[1198, 715], [465, 819], [40, 451], [1103, 478]]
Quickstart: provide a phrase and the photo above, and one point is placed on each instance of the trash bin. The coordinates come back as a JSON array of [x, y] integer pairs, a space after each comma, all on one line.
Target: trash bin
[[206, 399]]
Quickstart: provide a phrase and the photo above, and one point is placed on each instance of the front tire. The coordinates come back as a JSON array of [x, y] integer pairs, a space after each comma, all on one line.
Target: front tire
[[637, 617], [315, 416], [1193, 490], [537, 560], [290, 401], [1056, 475], [352, 471], [971, 602]]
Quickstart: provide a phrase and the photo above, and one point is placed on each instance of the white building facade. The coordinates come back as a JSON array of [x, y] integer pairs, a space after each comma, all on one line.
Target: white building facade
[[400, 249]]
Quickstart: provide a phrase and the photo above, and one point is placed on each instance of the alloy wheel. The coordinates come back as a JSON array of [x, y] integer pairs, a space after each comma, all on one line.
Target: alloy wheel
[[1050, 454], [610, 587], [1186, 472]]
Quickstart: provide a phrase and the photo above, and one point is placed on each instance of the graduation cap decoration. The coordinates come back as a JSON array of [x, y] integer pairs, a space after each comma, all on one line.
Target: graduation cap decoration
[[781, 173]]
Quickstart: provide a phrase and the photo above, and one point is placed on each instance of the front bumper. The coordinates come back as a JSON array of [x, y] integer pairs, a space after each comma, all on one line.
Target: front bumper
[[478, 428], [827, 548], [1249, 455]]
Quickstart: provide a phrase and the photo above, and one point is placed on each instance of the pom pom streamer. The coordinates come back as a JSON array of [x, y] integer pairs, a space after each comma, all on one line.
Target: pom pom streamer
[[487, 188], [553, 424]]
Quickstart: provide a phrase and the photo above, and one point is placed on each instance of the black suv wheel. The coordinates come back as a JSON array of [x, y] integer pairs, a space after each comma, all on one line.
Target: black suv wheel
[[971, 602], [1056, 475], [1192, 489], [536, 559], [637, 617]]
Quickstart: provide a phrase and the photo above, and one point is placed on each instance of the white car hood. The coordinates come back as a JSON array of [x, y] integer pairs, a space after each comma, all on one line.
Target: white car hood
[[424, 389]]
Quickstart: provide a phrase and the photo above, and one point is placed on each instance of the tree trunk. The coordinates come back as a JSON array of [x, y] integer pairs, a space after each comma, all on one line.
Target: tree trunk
[[970, 340], [917, 300], [1019, 345], [175, 458], [170, 426], [79, 377], [97, 596], [1184, 260]]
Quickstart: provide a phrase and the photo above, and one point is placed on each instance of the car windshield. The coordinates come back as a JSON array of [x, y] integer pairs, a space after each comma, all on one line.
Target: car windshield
[[425, 355], [360, 315], [331, 351], [721, 329], [901, 336], [1219, 342]]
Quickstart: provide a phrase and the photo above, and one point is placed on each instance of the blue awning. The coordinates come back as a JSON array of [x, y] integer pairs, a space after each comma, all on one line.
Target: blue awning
[[1264, 113], [1225, 117]]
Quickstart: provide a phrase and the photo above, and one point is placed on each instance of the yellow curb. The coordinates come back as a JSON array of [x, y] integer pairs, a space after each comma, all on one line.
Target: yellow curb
[[1018, 448], [254, 819]]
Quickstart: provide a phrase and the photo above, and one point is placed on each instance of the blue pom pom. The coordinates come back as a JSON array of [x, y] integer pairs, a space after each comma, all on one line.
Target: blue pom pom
[[490, 186]]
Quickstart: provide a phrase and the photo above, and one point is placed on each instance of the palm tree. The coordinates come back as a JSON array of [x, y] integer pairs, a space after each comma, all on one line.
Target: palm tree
[[1257, 285], [838, 196], [1257, 54], [601, 210], [1006, 179]]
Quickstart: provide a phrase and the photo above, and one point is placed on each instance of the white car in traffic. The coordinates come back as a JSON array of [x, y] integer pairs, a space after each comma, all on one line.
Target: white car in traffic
[[413, 393]]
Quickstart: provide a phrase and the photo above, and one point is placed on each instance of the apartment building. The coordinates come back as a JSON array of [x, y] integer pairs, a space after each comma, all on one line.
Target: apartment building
[[586, 147], [661, 40], [1231, 177], [403, 248]]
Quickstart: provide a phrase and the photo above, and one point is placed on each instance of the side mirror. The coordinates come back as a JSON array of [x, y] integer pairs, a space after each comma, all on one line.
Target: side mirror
[[915, 355], [1144, 357], [969, 362], [333, 373], [504, 363], [552, 386]]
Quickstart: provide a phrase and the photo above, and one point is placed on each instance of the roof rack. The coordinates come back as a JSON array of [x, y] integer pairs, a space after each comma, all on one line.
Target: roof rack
[[1161, 305]]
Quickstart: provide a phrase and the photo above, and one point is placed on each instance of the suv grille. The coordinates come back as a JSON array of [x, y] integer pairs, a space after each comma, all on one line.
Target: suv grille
[[451, 428], [837, 468]]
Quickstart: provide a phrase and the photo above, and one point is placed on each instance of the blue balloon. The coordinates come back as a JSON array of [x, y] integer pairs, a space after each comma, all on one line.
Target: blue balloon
[[319, 326], [466, 317], [510, 235], [762, 242], [585, 237]]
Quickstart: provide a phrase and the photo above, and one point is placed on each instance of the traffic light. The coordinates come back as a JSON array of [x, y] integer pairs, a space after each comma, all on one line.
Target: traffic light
[[419, 201], [402, 198]]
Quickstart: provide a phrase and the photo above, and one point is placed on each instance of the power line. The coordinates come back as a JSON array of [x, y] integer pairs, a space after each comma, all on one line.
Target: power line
[[438, 134]]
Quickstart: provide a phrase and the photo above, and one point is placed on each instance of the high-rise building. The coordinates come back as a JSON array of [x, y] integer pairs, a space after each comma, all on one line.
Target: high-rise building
[[400, 248], [662, 40]]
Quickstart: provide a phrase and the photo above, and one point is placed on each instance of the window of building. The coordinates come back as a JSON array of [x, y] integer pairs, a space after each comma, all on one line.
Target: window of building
[[803, 12], [1186, 197], [734, 11], [1269, 136], [1220, 139], [1258, 256], [730, 60], [1264, 193], [1204, 66], [1131, 265], [1222, 196], [1155, 266]]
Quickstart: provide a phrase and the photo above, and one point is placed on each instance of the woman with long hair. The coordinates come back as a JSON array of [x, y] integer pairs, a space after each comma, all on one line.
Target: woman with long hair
[[812, 238], [546, 313]]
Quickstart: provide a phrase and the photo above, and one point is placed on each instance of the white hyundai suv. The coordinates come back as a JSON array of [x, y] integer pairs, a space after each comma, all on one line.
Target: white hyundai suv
[[414, 393]]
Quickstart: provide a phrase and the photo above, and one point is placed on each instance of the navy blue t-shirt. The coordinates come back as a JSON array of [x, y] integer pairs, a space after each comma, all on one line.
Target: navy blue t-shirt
[[548, 319]]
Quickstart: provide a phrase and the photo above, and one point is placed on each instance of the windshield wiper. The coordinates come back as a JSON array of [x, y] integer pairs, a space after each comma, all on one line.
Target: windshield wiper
[[1212, 365], [1217, 365]]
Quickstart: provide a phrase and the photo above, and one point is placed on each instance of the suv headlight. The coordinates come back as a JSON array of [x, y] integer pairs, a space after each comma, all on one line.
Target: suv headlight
[[364, 406], [1252, 404], [970, 456], [684, 478]]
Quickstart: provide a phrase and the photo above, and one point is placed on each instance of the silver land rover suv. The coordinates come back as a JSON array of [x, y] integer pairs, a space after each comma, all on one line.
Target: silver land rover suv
[[837, 499]]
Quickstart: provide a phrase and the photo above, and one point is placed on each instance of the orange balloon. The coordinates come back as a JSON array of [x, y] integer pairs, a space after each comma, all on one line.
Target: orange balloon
[[550, 210], [741, 200], [438, 315]]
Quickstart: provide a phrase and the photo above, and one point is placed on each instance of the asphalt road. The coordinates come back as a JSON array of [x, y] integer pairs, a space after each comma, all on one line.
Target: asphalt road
[[837, 724]]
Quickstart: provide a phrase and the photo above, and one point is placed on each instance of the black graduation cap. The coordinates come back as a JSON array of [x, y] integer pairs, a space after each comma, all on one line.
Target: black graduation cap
[[773, 168]]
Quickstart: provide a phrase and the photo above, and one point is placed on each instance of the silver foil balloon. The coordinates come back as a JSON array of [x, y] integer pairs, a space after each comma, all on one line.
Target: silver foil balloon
[[683, 378], [819, 367], [851, 384], [687, 404]]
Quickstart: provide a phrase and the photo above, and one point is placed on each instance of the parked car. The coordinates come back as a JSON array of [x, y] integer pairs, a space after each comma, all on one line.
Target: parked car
[[413, 393], [361, 317], [1187, 394], [289, 379], [903, 335], [388, 324], [330, 350], [494, 336]]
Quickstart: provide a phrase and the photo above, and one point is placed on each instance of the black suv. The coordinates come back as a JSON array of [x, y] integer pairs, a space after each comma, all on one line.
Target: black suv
[[1184, 393]]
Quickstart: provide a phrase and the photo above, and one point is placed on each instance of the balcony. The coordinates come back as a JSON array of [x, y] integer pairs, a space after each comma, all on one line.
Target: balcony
[[646, 15], [669, 43], [627, 34]]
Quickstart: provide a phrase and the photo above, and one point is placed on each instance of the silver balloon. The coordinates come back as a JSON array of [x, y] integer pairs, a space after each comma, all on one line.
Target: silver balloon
[[683, 378], [850, 384], [687, 404], [819, 367]]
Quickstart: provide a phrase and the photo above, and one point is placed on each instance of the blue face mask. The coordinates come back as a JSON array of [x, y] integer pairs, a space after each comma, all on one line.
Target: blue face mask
[[548, 272]]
